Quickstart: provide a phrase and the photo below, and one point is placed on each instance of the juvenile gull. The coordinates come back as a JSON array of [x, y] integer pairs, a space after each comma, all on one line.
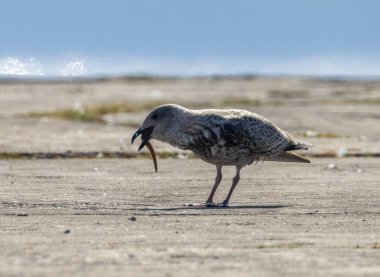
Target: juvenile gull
[[220, 137]]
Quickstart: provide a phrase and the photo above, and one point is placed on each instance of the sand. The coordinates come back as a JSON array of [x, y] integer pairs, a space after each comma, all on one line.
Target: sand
[[115, 217]]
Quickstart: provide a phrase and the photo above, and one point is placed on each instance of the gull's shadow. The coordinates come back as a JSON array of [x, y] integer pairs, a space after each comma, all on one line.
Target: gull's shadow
[[214, 208]]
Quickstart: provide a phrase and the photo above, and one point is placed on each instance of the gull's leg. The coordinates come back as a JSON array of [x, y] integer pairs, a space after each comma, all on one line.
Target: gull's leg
[[218, 179], [209, 202], [235, 181]]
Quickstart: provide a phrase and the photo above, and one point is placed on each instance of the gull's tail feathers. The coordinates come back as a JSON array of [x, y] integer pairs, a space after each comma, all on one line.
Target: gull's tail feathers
[[299, 146], [289, 157]]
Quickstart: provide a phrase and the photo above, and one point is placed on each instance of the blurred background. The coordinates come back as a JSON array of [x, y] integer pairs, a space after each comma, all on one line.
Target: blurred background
[[80, 76], [92, 38]]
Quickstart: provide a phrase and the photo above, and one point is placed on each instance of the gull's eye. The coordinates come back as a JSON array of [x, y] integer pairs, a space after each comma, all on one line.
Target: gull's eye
[[155, 116]]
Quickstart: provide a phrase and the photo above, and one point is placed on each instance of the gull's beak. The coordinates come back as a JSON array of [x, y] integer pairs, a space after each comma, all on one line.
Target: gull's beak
[[145, 137], [138, 132]]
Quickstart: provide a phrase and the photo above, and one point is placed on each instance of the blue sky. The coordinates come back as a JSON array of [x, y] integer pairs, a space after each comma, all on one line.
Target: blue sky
[[317, 37]]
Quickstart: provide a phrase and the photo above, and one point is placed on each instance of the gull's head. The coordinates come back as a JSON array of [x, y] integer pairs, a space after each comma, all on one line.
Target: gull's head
[[157, 124]]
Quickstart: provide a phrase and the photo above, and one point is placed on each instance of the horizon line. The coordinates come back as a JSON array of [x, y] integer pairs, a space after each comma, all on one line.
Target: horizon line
[[151, 77]]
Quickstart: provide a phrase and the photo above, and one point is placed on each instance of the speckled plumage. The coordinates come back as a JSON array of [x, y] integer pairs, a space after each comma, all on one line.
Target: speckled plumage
[[222, 137], [229, 137]]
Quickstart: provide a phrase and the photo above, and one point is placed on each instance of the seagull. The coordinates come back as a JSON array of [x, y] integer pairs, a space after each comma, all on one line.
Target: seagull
[[228, 137]]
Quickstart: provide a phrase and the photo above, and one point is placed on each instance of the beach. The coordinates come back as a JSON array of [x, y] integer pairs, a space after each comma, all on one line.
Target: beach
[[77, 198]]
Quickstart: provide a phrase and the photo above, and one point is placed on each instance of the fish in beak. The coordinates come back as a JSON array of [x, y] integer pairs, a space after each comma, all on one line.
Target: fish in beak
[[145, 137]]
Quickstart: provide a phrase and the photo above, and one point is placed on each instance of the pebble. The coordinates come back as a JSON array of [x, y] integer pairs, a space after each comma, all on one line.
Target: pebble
[[342, 151], [332, 166]]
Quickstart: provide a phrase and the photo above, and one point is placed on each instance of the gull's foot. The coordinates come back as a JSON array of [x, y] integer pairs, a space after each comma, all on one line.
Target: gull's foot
[[202, 205], [210, 205], [223, 205]]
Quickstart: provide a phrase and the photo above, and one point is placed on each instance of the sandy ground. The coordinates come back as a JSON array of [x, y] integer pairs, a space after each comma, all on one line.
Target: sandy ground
[[116, 217], [284, 219]]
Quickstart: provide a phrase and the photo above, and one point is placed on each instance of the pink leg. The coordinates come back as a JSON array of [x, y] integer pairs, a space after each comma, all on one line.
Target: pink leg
[[235, 181], [218, 179]]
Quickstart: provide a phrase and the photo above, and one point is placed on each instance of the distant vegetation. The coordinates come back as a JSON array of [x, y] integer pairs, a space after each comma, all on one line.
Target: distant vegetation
[[241, 102], [249, 102], [96, 113]]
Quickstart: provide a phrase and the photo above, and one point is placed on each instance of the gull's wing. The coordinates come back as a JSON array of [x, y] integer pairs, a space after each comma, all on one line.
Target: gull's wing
[[237, 129], [256, 133]]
